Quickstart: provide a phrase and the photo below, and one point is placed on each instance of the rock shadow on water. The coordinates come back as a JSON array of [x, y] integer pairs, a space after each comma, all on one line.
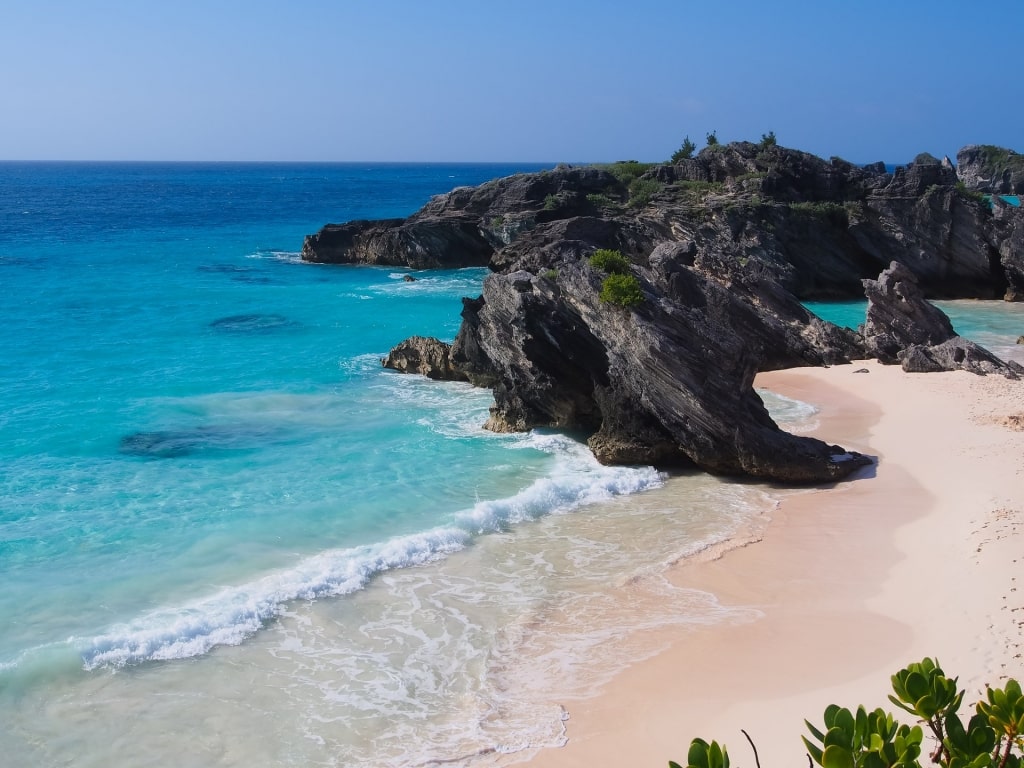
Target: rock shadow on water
[[255, 323], [177, 443], [238, 273]]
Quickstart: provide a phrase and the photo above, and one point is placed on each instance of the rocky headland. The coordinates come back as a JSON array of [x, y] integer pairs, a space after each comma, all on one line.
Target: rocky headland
[[636, 302]]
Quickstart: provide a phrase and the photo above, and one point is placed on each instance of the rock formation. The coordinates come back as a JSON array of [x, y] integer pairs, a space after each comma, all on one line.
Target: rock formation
[[903, 327], [718, 249], [985, 168], [819, 226], [899, 317], [426, 356]]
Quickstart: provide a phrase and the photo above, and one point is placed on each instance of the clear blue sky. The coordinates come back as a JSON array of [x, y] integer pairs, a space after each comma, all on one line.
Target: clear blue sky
[[495, 80]]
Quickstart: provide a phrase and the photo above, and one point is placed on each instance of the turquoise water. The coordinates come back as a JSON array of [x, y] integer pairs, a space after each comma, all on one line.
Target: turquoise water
[[229, 538], [186, 405]]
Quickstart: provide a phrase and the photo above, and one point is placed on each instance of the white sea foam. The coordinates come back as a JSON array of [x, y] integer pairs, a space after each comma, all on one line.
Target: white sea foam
[[231, 615], [792, 415], [292, 257]]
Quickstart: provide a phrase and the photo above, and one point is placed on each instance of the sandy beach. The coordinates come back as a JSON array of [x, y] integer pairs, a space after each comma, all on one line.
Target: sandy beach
[[918, 556]]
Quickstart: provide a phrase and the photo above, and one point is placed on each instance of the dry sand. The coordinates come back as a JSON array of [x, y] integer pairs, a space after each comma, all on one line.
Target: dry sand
[[918, 556]]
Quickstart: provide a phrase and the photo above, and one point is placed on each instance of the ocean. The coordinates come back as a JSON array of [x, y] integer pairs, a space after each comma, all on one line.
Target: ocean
[[228, 537]]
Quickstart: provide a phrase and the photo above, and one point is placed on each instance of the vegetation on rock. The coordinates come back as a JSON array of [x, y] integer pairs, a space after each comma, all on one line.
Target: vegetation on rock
[[685, 152], [621, 290], [992, 738], [607, 260], [642, 190]]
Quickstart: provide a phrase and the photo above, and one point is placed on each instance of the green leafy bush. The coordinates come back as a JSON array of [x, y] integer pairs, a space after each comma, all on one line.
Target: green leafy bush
[[875, 740], [712, 139], [768, 140], [642, 190], [551, 203], [607, 260], [621, 290], [971, 194], [627, 170]]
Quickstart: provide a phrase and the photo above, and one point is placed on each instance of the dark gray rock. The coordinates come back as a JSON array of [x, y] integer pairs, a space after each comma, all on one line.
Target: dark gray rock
[[669, 382], [720, 247], [902, 327], [957, 354], [426, 356], [898, 316]]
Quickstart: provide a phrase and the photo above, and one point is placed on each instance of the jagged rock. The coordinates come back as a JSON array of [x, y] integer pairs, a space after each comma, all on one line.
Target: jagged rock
[[995, 170], [957, 354], [668, 383], [464, 227], [819, 226], [426, 356], [425, 243], [720, 246], [902, 327], [898, 316]]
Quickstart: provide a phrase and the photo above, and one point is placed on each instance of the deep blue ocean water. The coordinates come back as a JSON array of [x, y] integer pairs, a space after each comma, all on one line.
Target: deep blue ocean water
[[212, 496]]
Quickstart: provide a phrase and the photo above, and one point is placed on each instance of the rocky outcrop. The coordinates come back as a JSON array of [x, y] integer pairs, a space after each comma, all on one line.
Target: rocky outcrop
[[464, 227], [902, 327], [426, 356], [898, 316], [669, 382], [821, 226], [985, 168], [718, 248]]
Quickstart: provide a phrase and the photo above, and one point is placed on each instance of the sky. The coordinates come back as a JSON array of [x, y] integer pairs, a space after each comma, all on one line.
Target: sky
[[494, 80]]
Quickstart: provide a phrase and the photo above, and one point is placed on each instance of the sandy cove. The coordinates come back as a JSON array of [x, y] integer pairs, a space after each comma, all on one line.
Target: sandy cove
[[919, 556]]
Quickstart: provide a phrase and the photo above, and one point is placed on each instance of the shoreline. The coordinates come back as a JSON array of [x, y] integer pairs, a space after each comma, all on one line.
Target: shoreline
[[914, 557]]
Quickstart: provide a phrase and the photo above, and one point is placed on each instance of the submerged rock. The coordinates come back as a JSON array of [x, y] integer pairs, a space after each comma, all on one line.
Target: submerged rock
[[253, 323]]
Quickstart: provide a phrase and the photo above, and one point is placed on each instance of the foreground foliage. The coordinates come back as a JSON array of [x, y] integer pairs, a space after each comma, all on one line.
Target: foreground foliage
[[992, 738]]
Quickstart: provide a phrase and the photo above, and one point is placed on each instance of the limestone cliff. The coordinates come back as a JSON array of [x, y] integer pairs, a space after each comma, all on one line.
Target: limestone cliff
[[717, 250]]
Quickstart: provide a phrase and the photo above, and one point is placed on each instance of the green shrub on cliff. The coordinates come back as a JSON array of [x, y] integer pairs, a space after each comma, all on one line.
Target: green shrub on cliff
[[992, 738], [621, 290], [607, 260], [627, 170], [642, 190]]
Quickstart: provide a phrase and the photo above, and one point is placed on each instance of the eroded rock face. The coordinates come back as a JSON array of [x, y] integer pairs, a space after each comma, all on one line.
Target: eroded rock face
[[669, 382], [719, 246], [426, 356], [903, 327], [820, 226], [898, 316], [995, 170]]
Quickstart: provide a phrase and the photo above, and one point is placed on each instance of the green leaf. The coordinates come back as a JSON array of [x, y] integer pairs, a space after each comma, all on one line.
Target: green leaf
[[697, 756], [845, 720], [837, 737], [814, 731], [813, 750], [836, 756]]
